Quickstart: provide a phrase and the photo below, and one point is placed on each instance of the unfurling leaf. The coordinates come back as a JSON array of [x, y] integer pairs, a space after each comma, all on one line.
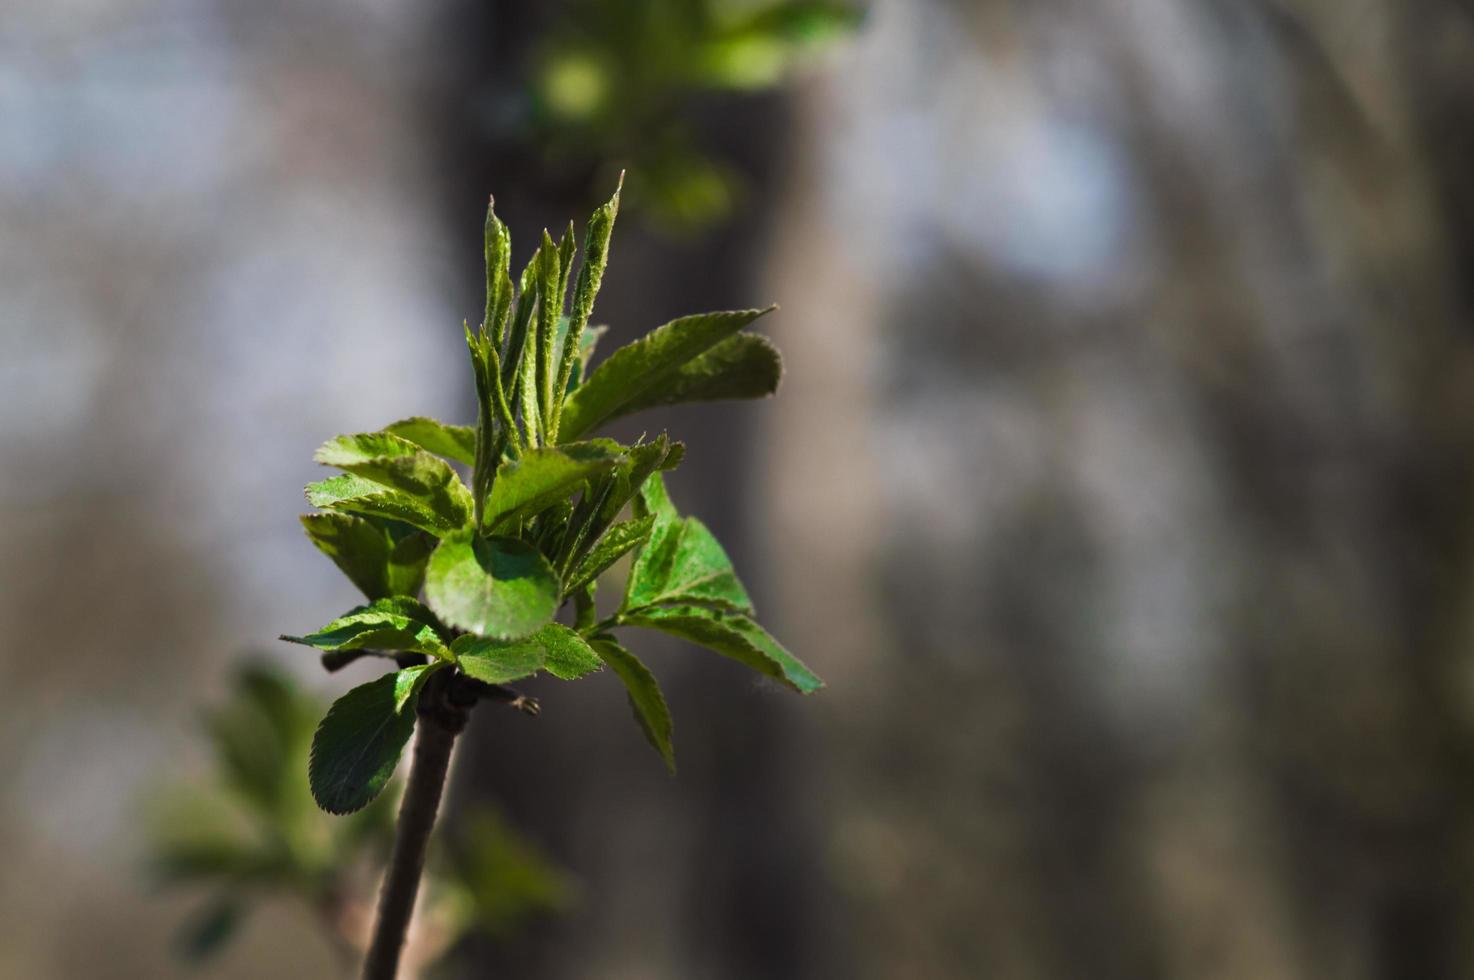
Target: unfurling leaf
[[616, 542], [646, 701], [640, 370], [498, 587], [733, 636], [357, 745]]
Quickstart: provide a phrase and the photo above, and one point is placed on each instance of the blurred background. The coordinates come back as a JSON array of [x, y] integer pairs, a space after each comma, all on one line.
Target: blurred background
[[1121, 484]]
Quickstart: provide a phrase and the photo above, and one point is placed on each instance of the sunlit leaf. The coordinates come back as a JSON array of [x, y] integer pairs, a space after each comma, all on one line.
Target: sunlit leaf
[[457, 442], [681, 560], [402, 466], [731, 635], [393, 623], [616, 542], [497, 587], [640, 370], [542, 477]]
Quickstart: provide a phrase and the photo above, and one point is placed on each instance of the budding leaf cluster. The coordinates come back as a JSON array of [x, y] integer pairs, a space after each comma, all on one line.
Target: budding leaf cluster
[[468, 577]]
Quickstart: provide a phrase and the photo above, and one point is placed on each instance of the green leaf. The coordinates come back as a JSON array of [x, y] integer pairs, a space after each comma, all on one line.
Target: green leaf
[[407, 560], [681, 561], [355, 495], [410, 680], [745, 365], [619, 539], [457, 442], [542, 477], [393, 623], [368, 552], [590, 276], [400, 465], [497, 247], [732, 636], [357, 746], [498, 586], [638, 371], [567, 655], [549, 309], [646, 701], [498, 661], [357, 547]]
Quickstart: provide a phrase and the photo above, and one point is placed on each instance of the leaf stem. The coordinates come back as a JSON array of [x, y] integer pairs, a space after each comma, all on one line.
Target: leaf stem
[[440, 721]]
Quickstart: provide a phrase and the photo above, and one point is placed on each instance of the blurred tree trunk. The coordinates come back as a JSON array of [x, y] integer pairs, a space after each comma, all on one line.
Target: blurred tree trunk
[[707, 875], [1140, 569]]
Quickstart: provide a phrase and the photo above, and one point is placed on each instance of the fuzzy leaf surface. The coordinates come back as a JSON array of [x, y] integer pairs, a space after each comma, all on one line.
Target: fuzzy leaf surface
[[357, 746], [354, 495], [392, 623], [457, 442], [498, 661], [682, 561], [637, 371], [542, 477], [745, 365], [646, 700], [732, 636], [400, 465], [619, 540], [567, 655], [497, 587]]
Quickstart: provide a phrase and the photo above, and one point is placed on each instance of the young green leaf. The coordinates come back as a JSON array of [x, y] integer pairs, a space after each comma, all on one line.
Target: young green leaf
[[498, 587], [745, 365], [732, 636], [457, 442], [382, 558], [646, 701], [409, 681], [498, 661], [356, 748], [617, 541], [567, 655], [354, 495], [590, 276], [638, 370], [549, 309], [497, 246], [542, 477], [681, 561], [400, 465], [393, 623], [357, 546], [407, 559]]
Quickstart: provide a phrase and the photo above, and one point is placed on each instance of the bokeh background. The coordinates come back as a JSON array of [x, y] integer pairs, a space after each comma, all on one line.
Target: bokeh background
[[1121, 484]]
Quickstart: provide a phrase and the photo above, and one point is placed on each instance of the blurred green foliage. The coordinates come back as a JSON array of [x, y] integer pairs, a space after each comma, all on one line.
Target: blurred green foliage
[[616, 81], [252, 833]]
